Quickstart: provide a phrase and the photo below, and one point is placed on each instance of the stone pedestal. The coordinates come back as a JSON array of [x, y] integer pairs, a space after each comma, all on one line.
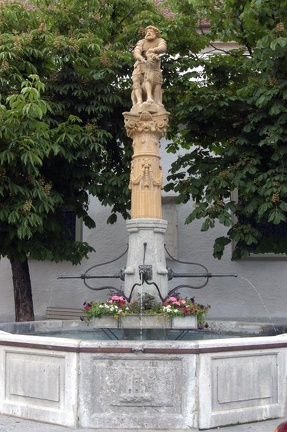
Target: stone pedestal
[[146, 247]]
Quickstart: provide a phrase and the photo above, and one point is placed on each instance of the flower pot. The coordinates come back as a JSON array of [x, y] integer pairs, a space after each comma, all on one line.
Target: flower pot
[[144, 321], [105, 322], [184, 322]]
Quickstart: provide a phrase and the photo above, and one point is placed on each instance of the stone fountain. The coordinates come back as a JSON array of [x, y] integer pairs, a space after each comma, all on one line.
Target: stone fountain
[[140, 384]]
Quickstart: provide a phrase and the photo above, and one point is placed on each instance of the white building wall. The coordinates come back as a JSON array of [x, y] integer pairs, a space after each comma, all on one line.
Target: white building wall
[[259, 291]]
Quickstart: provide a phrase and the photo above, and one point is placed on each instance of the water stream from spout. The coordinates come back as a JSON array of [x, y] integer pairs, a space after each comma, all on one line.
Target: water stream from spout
[[262, 302], [141, 307], [51, 294], [141, 291]]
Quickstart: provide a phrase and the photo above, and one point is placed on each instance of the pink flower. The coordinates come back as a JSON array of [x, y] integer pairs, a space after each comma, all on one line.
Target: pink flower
[[172, 299], [120, 299]]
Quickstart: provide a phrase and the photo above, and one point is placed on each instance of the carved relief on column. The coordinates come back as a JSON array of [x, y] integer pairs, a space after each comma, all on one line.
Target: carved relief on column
[[146, 180], [146, 122], [146, 184]]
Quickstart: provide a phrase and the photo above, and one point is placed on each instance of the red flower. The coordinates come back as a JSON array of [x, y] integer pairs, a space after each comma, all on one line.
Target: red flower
[[87, 306]]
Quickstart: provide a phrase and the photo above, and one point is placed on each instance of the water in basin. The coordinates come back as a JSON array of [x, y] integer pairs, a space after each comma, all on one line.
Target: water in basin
[[145, 334]]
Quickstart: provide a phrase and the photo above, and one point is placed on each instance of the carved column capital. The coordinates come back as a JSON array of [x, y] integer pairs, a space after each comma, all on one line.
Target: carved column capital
[[146, 122]]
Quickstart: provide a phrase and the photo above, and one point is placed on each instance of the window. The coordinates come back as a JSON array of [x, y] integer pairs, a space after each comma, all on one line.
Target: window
[[273, 236], [74, 225]]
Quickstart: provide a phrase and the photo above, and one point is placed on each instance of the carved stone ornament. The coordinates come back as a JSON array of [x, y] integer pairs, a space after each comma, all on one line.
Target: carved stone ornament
[[146, 122]]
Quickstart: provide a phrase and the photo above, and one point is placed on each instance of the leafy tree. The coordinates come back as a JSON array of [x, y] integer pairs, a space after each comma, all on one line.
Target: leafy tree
[[230, 117]]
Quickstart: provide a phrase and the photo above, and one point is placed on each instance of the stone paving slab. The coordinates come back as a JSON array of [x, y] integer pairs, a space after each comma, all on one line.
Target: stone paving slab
[[13, 424]]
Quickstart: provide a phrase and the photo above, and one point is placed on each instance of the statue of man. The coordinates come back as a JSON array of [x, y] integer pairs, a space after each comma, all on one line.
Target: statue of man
[[147, 76]]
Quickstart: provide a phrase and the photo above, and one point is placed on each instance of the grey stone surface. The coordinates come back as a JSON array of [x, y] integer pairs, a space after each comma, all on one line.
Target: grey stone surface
[[144, 384], [148, 232], [241, 386], [12, 424], [117, 391], [37, 383]]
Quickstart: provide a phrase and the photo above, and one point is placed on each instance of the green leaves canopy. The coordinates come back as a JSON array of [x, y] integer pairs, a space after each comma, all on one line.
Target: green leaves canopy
[[65, 81], [234, 121]]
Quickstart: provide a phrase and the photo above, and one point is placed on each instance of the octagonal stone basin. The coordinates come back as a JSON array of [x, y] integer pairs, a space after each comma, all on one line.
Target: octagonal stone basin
[[141, 384]]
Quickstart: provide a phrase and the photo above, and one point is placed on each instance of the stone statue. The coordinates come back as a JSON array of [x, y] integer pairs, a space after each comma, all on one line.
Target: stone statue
[[147, 75]]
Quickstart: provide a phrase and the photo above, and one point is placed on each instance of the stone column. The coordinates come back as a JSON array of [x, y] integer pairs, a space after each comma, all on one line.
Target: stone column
[[146, 180]]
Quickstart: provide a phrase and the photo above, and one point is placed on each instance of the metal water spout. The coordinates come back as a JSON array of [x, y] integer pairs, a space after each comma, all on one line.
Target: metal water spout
[[145, 275]]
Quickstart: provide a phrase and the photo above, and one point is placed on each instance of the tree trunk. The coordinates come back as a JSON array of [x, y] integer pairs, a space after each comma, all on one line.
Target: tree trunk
[[22, 291]]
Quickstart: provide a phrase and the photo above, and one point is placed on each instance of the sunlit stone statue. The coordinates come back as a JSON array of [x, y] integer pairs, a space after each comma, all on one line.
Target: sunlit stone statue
[[147, 75]]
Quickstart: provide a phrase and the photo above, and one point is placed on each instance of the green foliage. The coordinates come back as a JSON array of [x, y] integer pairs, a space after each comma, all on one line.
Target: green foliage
[[65, 70], [234, 133], [63, 78]]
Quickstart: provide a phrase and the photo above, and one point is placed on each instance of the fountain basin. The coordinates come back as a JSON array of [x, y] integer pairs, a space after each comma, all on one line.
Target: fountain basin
[[146, 384]]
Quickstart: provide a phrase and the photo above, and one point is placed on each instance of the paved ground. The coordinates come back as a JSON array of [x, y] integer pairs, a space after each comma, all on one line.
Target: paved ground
[[12, 424]]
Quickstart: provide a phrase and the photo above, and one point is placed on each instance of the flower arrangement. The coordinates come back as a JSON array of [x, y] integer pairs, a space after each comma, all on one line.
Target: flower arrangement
[[117, 306], [176, 306]]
